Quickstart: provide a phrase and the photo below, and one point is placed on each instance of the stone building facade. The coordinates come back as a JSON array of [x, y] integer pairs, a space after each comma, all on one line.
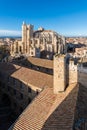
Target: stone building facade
[[38, 43]]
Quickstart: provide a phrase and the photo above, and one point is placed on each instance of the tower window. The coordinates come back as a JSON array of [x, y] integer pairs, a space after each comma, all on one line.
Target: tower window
[[20, 49]]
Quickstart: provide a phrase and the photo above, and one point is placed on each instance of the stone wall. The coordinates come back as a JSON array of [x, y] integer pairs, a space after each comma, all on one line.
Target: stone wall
[[72, 72], [82, 75], [77, 73]]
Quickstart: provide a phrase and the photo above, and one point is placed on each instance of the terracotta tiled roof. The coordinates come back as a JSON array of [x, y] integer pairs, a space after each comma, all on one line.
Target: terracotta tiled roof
[[41, 62], [49, 111], [28, 76], [33, 77]]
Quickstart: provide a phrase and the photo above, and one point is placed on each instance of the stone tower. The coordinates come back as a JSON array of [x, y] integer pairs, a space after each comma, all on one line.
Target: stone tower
[[27, 34], [59, 73], [24, 32], [24, 37]]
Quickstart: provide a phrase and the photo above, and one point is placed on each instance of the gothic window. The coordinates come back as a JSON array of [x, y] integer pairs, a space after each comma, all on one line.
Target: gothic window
[[20, 49]]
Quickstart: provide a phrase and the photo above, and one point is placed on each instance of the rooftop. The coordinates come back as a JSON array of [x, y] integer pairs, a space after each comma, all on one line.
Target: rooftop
[[49, 111], [28, 76], [41, 62]]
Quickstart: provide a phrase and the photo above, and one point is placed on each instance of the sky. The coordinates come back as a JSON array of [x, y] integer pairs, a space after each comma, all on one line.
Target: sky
[[67, 17]]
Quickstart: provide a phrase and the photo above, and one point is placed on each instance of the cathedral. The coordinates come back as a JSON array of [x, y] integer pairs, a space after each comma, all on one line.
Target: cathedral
[[40, 43]]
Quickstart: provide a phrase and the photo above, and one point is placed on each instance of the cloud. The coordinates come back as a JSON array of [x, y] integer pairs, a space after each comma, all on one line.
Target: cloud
[[10, 33]]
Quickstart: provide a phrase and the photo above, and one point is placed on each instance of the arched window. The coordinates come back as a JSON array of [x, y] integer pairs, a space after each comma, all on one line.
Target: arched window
[[20, 49]]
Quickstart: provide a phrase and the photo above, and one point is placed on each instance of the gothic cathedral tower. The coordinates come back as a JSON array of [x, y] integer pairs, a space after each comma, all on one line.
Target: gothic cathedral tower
[[27, 34], [59, 73]]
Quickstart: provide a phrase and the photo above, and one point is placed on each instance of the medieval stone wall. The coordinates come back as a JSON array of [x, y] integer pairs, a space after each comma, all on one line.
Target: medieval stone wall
[[72, 73], [82, 75]]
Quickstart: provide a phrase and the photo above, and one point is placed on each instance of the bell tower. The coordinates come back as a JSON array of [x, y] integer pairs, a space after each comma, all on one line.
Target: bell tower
[[27, 34], [24, 36]]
